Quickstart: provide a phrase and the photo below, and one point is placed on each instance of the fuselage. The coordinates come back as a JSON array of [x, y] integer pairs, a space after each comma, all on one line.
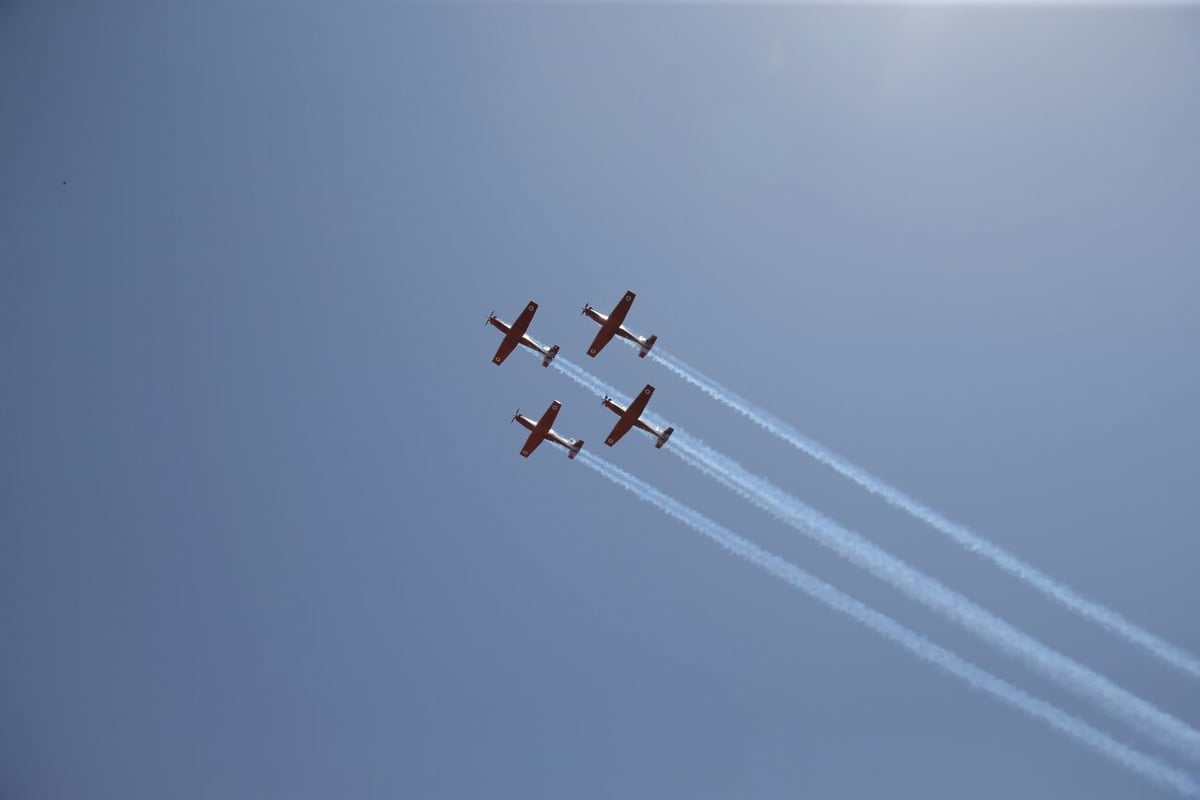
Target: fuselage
[[550, 435], [618, 330], [619, 410], [646, 426], [507, 330], [595, 315]]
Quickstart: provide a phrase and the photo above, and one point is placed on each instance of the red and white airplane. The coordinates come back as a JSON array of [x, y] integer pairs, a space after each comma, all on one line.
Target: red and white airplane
[[515, 334], [612, 326], [541, 431], [632, 417]]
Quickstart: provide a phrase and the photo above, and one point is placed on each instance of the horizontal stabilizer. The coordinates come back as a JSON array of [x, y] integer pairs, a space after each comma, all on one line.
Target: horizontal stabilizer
[[662, 438]]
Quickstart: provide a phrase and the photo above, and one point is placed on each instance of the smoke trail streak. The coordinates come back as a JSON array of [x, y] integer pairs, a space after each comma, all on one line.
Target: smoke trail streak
[[1088, 609], [1113, 699], [1120, 754], [587, 380], [1077, 678], [598, 387]]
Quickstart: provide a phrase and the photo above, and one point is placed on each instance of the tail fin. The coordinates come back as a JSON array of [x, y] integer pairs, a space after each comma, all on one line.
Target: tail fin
[[574, 449], [662, 438], [549, 356], [646, 347]]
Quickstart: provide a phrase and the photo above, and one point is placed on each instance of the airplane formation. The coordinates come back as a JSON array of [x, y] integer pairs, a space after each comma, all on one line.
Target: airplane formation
[[1077, 677], [611, 325]]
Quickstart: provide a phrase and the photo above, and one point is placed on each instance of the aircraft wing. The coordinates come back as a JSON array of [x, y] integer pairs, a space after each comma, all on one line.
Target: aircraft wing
[[610, 326], [630, 416], [522, 324], [515, 332], [532, 443], [639, 404], [617, 317], [541, 429], [620, 429], [506, 347], [602, 338]]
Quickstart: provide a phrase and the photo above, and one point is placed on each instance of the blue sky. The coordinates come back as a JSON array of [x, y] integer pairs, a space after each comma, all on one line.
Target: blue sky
[[265, 527]]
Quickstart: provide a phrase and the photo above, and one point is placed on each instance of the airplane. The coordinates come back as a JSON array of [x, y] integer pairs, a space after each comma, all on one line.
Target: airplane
[[611, 325], [631, 417], [515, 334], [541, 431]]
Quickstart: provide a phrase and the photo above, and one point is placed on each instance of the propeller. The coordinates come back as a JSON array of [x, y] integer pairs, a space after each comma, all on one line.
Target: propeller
[[586, 308], [491, 317], [515, 415], [605, 400]]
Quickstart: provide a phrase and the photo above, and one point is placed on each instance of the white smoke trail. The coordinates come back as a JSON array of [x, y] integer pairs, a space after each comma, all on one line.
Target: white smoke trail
[[1084, 682], [1145, 766], [1065, 596], [599, 388], [1116, 701], [587, 380]]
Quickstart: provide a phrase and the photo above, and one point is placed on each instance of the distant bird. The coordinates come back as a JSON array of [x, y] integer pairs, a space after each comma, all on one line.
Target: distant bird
[[64, 183]]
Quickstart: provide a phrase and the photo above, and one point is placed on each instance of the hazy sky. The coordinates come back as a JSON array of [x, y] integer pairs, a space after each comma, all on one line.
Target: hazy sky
[[264, 528]]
